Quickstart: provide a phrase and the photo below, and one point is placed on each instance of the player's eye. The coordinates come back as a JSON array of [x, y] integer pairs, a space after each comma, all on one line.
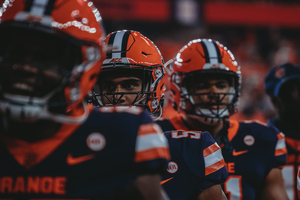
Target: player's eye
[[222, 84], [108, 87], [201, 86], [130, 85]]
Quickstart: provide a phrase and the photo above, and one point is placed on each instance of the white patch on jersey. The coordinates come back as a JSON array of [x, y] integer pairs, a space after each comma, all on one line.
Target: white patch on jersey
[[96, 141], [172, 167], [249, 140]]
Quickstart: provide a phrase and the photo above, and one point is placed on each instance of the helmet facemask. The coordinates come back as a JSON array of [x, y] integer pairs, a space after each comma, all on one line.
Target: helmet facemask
[[36, 68], [210, 107], [139, 88]]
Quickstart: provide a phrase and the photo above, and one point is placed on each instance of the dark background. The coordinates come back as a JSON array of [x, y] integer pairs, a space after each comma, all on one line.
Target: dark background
[[260, 33]]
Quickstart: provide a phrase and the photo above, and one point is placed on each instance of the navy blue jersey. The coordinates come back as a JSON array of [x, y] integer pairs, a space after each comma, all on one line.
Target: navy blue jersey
[[254, 149], [97, 159], [196, 163], [289, 171]]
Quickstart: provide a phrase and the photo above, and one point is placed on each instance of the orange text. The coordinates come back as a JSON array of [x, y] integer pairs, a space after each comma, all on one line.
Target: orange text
[[44, 185], [230, 167]]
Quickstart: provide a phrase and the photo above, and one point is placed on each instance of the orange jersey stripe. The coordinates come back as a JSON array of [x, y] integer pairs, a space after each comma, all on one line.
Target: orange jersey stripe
[[152, 154], [146, 129], [215, 167], [280, 146], [280, 136], [211, 149], [281, 151]]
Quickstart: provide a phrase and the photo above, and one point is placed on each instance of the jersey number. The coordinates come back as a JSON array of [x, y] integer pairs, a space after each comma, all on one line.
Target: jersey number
[[233, 187], [184, 134]]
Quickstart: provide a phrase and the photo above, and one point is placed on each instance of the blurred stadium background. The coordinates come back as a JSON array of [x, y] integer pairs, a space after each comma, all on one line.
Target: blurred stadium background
[[260, 33]]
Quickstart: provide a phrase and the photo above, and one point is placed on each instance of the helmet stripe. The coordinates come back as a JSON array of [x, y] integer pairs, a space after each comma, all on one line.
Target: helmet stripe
[[124, 44], [218, 52], [28, 5], [38, 7], [116, 53], [119, 42], [213, 56], [49, 7], [205, 51], [110, 43]]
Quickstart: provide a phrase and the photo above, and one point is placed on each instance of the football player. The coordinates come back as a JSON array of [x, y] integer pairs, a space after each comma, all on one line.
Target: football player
[[132, 75], [52, 145], [282, 84], [203, 84]]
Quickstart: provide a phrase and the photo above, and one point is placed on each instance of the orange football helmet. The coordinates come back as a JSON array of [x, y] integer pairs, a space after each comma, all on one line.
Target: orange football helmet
[[202, 58], [130, 50], [69, 33]]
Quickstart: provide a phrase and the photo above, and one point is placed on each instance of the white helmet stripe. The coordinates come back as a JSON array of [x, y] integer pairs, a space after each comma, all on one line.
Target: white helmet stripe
[[38, 7], [117, 45], [212, 52]]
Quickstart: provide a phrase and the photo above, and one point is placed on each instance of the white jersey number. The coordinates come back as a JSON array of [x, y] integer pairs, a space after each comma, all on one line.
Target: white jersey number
[[233, 187]]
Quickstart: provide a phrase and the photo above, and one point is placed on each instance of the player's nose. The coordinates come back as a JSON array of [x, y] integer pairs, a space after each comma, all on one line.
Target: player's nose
[[120, 96]]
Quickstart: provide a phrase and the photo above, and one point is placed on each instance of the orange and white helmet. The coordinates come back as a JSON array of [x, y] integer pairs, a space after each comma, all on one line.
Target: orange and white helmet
[[202, 57], [74, 27], [130, 50]]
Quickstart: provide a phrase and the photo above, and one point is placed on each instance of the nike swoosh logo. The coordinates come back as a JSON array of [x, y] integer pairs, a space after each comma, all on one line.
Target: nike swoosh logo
[[237, 153], [163, 182], [74, 161]]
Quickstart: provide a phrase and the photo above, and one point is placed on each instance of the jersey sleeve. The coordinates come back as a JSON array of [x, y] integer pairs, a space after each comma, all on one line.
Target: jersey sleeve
[[152, 149], [208, 164], [280, 148], [269, 134], [215, 169]]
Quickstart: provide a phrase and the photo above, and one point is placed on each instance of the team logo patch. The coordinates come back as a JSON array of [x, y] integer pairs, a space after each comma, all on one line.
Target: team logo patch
[[172, 167], [96, 141], [249, 140]]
